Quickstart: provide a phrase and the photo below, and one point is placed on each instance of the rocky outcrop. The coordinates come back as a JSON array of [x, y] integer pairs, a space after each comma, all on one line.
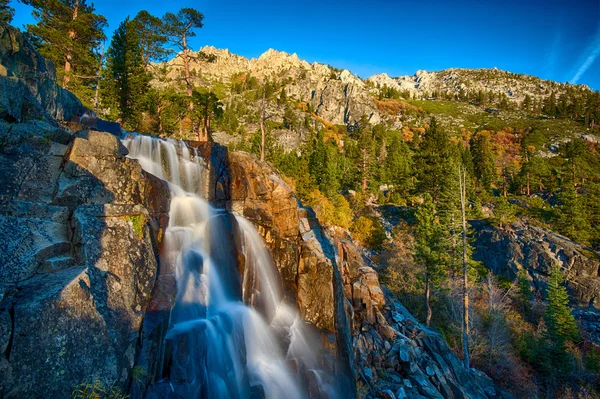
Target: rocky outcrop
[[336, 289], [80, 225], [28, 88], [337, 97], [521, 246], [395, 356], [454, 80]]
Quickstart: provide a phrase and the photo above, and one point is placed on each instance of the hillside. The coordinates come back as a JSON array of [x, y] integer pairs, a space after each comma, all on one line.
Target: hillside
[[303, 95]]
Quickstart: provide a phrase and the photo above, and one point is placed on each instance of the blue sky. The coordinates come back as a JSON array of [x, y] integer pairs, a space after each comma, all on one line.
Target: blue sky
[[558, 40]]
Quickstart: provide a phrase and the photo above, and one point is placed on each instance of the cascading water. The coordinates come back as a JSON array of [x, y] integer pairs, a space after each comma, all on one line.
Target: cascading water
[[232, 336]]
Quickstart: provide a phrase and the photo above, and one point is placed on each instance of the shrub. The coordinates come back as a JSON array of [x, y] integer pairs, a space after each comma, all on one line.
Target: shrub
[[369, 232], [97, 390], [331, 213]]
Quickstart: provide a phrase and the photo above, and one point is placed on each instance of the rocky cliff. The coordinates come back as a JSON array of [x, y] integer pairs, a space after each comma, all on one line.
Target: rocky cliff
[[520, 246], [28, 88], [83, 296]]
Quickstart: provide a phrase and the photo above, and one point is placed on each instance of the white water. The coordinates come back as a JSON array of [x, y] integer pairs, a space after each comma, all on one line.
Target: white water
[[233, 336]]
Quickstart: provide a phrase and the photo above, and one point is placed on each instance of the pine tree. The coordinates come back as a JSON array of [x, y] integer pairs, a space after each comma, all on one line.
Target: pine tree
[[526, 104], [561, 327], [127, 80], [178, 29], [304, 183], [397, 165], [152, 40], [207, 108], [6, 11], [69, 33], [429, 251], [524, 291], [433, 163]]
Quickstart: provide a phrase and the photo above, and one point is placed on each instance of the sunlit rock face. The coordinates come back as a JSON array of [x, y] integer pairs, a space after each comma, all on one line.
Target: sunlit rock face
[[232, 331], [80, 235]]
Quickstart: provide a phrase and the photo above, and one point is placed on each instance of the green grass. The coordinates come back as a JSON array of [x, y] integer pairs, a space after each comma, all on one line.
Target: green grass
[[472, 117], [137, 222]]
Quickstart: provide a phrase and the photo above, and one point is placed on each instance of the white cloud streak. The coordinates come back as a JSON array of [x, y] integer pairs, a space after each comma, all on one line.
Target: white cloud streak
[[591, 53]]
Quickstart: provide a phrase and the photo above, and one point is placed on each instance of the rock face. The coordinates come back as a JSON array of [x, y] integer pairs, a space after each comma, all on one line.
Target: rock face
[[337, 97], [301, 251], [28, 88], [520, 246], [453, 80], [80, 226], [395, 356]]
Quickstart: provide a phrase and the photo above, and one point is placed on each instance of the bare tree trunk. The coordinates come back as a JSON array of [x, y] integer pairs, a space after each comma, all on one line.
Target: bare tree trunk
[[186, 63], [159, 110], [262, 130], [364, 171], [69, 54], [427, 295], [97, 94], [465, 326], [188, 84]]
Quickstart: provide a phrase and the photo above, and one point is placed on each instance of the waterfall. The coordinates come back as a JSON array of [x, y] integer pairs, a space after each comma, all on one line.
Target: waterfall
[[232, 334]]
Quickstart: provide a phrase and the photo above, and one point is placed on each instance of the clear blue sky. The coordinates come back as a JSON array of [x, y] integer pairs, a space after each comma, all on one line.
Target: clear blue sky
[[552, 39]]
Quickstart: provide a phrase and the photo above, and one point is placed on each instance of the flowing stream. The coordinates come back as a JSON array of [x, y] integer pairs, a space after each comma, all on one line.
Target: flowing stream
[[232, 333]]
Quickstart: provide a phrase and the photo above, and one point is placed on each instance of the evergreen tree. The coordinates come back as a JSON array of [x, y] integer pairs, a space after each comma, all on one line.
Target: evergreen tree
[[207, 107], [561, 327], [152, 39], [524, 291], [6, 11], [526, 104], [127, 80], [550, 105], [304, 184], [429, 252], [433, 163], [397, 165], [178, 29], [69, 33]]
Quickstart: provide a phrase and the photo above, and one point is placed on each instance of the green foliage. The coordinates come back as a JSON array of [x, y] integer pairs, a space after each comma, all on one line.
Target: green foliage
[[152, 39], [561, 327], [369, 232], [179, 28], [430, 245], [97, 390], [139, 374], [335, 212], [504, 211], [126, 79], [137, 222], [207, 107], [69, 33], [6, 11], [433, 162], [573, 220], [560, 323], [483, 160]]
